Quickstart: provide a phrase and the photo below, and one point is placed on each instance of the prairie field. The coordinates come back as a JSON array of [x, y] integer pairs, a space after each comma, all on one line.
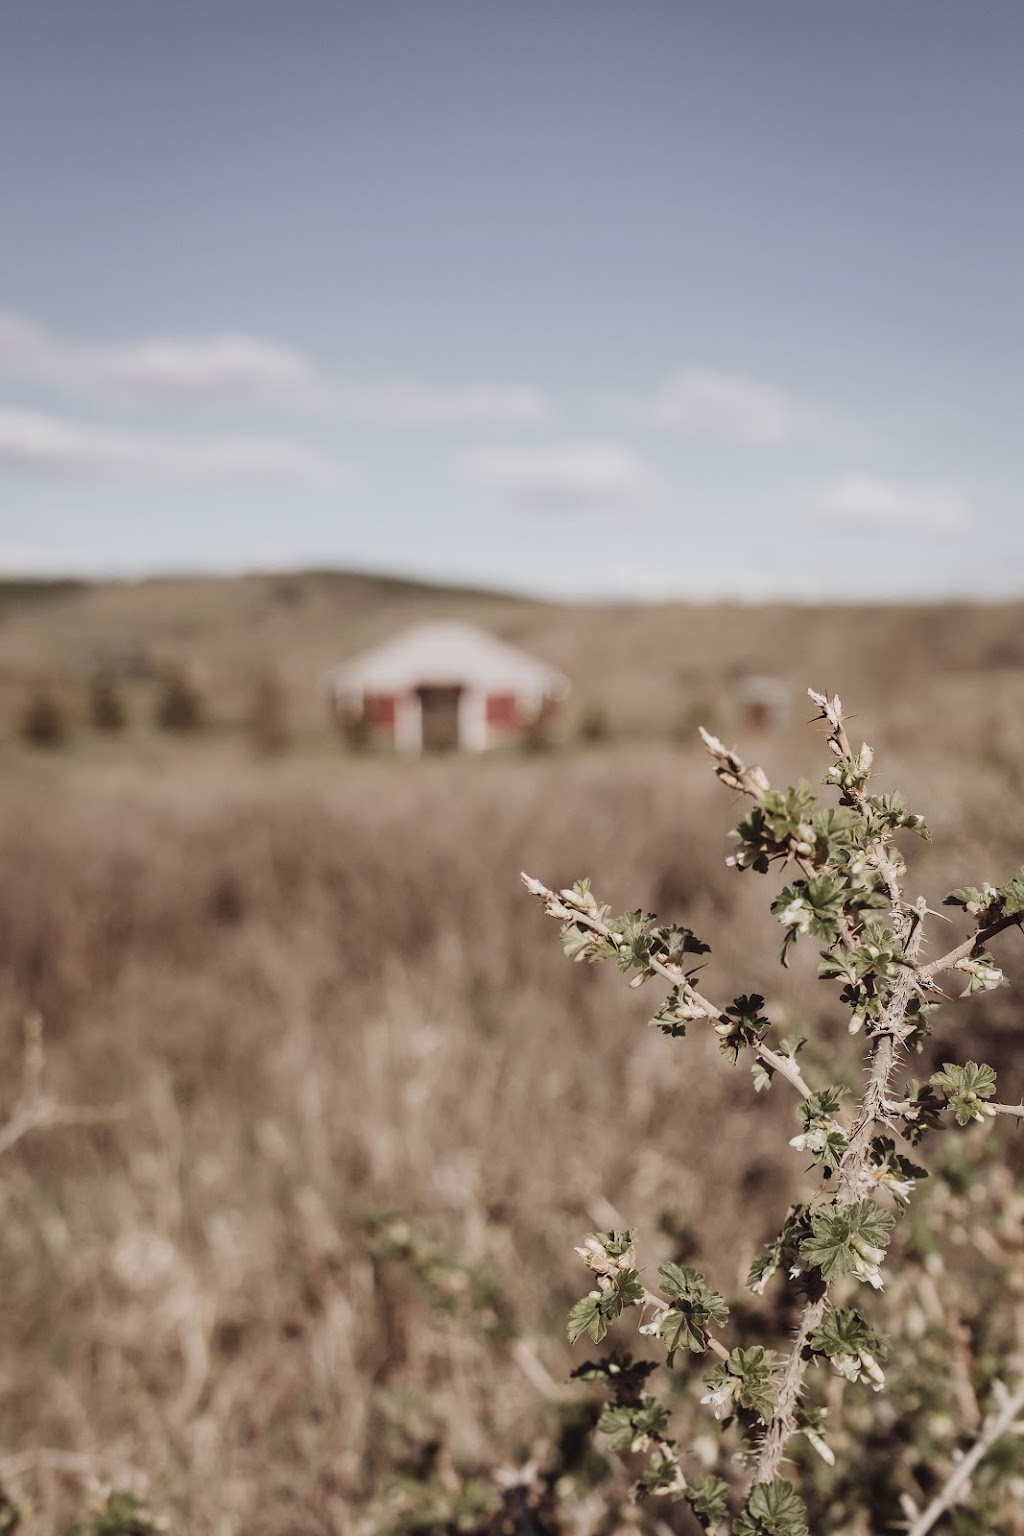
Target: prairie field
[[295, 1251]]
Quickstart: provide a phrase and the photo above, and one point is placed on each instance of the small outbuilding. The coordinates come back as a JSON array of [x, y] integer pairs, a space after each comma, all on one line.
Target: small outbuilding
[[767, 702], [444, 686]]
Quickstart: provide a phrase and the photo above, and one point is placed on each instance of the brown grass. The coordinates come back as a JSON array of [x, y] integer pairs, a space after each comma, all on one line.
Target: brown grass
[[322, 998]]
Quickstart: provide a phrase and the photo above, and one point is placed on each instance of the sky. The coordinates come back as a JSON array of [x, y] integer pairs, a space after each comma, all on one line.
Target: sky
[[692, 298]]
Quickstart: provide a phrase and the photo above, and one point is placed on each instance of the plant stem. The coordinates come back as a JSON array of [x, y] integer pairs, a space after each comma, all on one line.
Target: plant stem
[[675, 974], [987, 1437], [948, 961], [853, 1182]]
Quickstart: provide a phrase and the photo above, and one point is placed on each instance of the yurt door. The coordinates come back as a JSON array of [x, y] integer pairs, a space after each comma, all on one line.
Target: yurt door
[[440, 708]]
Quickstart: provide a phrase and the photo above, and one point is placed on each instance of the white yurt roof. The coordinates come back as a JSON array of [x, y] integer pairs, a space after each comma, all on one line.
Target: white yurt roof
[[447, 652]]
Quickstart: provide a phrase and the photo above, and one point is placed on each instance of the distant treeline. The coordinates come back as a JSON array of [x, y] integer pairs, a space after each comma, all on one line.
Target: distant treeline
[[51, 711]]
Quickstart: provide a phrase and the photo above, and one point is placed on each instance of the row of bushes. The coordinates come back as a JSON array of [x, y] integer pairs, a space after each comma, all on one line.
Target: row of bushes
[[180, 707], [47, 716]]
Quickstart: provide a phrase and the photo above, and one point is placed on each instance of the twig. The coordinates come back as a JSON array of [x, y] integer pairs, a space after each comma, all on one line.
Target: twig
[[45, 1112], [853, 1173], [673, 973], [654, 1301], [1006, 1109], [987, 1437], [78, 1463], [948, 961]]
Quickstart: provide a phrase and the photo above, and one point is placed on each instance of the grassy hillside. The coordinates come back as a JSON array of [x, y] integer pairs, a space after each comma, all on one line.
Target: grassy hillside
[[648, 669]]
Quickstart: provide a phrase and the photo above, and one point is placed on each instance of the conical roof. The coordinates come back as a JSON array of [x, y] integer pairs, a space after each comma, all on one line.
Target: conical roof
[[447, 653]]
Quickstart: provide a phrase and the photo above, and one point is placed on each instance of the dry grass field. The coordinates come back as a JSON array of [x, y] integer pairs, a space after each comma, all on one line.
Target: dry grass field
[[651, 669], [310, 1274]]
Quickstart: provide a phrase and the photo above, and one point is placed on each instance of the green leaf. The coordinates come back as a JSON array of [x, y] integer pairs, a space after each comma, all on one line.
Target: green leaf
[[617, 1424], [845, 1332], [974, 1077], [670, 1017], [845, 1240], [663, 1476], [632, 1428], [587, 1317], [1011, 895], [779, 824], [965, 1088], [990, 902], [693, 1304], [969, 898], [620, 1373], [820, 1136], [896, 1172], [679, 1331], [671, 943], [616, 1244], [890, 813], [781, 1252], [925, 1114], [749, 1379], [709, 1500], [762, 1075], [627, 1284], [741, 1024], [774, 1509], [811, 906]]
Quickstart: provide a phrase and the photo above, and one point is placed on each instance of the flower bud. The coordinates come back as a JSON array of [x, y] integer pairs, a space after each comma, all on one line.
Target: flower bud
[[872, 1370], [823, 1449]]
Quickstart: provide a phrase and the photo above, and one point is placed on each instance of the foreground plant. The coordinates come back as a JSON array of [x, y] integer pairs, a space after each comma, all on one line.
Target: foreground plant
[[846, 890]]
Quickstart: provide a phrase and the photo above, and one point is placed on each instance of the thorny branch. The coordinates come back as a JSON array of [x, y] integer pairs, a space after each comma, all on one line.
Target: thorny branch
[[557, 908], [948, 962], [853, 1182], [786, 828]]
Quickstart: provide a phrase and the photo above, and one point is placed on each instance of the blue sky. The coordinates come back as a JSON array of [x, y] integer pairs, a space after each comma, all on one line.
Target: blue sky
[[573, 297]]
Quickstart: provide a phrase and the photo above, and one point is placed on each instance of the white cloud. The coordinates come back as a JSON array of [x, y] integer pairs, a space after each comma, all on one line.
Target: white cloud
[[860, 499], [412, 402], [730, 408], [212, 369], [567, 477], [35, 442], [240, 369]]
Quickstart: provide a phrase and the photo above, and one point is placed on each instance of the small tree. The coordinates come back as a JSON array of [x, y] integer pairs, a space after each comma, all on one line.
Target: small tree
[[594, 725], [107, 711], [846, 890], [179, 705], [268, 713], [44, 718]]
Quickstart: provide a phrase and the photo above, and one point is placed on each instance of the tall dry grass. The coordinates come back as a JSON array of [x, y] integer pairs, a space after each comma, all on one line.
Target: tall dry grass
[[367, 1109]]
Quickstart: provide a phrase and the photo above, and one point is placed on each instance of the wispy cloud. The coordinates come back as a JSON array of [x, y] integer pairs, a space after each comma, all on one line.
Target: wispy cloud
[[567, 477], [860, 499], [239, 369], [31, 441], [730, 408], [413, 402], [220, 369]]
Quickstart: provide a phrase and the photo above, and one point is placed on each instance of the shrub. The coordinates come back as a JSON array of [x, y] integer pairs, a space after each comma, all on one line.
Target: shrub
[[107, 710], [768, 1379], [594, 726], [268, 713], [179, 705], [355, 730], [44, 719], [115, 1513]]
